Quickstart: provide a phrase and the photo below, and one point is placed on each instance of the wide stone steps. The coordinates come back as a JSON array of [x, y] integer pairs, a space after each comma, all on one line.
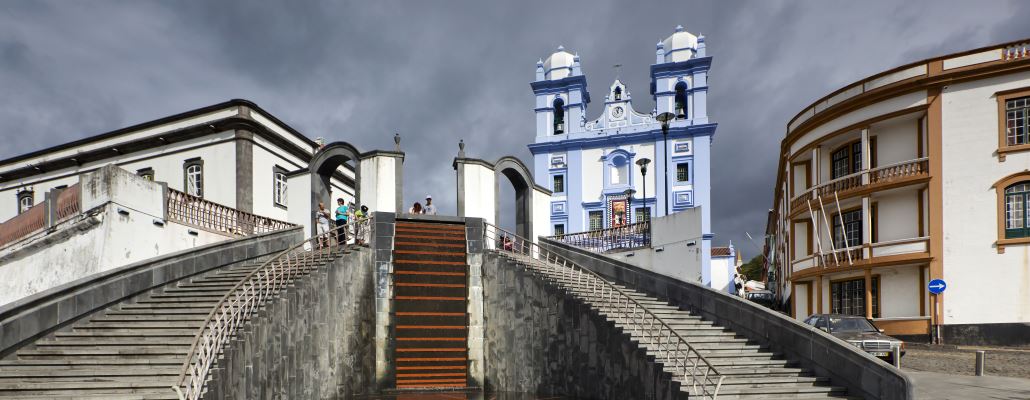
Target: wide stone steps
[[132, 350], [748, 370]]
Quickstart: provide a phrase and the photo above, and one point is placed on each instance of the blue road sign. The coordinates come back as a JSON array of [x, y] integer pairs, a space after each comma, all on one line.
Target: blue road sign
[[937, 286]]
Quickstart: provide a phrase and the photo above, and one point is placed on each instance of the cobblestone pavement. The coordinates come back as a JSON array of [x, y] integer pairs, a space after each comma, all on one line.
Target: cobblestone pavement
[[1014, 363]]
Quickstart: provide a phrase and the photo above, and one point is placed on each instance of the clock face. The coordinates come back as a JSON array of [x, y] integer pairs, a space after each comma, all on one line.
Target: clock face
[[617, 112]]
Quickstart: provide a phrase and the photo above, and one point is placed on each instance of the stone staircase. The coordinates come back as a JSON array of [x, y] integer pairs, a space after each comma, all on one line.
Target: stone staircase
[[431, 306], [751, 371], [131, 350]]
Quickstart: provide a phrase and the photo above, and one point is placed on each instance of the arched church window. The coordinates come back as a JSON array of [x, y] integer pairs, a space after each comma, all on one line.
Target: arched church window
[[559, 116], [618, 93], [681, 100], [620, 171]]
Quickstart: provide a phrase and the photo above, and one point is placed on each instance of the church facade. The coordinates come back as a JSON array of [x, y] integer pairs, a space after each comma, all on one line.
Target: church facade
[[591, 165]]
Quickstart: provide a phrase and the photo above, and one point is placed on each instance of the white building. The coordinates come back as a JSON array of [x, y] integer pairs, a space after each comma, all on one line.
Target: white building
[[913, 174], [234, 154]]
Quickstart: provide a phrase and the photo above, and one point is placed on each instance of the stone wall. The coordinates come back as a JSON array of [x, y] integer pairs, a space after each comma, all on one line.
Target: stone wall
[[540, 340], [845, 365], [314, 342]]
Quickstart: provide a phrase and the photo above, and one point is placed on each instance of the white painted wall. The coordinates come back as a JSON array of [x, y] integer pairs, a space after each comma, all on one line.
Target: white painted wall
[[801, 301], [898, 215], [983, 286], [299, 212], [114, 241], [896, 141], [678, 237], [541, 214], [379, 183], [721, 273], [899, 291], [593, 177], [480, 185], [884, 107]]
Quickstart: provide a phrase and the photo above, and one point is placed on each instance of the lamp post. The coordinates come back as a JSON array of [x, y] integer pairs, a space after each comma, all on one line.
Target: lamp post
[[643, 175], [628, 220], [664, 118]]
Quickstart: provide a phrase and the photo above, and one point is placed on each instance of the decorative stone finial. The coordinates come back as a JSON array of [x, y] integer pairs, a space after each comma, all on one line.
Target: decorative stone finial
[[397, 141], [461, 148], [561, 48], [679, 28], [540, 62]]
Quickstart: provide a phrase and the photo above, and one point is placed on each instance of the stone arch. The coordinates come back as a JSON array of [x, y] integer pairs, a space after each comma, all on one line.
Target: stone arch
[[522, 180], [325, 161]]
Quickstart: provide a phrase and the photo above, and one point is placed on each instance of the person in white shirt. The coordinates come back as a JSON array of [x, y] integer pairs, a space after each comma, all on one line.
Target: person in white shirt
[[429, 209]]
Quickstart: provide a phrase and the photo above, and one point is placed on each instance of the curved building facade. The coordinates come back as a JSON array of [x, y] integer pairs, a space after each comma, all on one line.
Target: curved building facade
[[917, 173]]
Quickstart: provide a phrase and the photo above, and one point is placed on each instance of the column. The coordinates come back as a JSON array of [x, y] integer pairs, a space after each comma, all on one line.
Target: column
[[866, 157], [381, 183], [819, 294], [868, 293], [867, 228]]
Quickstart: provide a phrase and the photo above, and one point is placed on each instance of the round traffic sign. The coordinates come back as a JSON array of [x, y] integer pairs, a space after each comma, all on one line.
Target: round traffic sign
[[937, 286]]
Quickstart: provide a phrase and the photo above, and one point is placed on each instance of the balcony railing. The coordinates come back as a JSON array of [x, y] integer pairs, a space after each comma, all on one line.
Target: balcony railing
[[214, 217], [862, 254], [608, 239], [62, 205], [847, 184]]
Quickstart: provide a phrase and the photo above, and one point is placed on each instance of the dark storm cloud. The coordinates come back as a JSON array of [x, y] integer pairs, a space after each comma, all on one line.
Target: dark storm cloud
[[437, 72]]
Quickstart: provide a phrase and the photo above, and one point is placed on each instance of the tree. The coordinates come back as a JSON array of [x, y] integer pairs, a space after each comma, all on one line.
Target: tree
[[753, 268]]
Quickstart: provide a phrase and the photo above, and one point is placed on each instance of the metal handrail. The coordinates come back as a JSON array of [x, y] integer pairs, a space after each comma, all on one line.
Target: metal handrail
[[681, 355], [248, 295], [601, 240]]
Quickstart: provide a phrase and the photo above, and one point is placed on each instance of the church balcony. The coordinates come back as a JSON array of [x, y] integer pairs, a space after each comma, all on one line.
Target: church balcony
[[862, 183]]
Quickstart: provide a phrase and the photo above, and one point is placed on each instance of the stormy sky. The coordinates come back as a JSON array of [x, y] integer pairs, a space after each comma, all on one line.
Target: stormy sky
[[440, 71]]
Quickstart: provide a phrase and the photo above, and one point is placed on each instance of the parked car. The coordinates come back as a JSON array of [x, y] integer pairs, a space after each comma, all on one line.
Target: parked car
[[860, 332], [763, 297]]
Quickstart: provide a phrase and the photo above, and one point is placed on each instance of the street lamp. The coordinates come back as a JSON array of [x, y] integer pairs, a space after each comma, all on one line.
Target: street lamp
[[643, 175], [664, 118]]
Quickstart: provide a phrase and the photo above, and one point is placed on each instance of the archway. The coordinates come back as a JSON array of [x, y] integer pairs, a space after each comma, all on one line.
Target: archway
[[324, 164], [522, 181]]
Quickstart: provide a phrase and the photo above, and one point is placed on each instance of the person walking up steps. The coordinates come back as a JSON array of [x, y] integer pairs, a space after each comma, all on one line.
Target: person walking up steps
[[322, 224], [429, 209]]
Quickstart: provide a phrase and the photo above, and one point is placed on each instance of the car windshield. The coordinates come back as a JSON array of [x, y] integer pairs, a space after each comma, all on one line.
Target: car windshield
[[851, 325]]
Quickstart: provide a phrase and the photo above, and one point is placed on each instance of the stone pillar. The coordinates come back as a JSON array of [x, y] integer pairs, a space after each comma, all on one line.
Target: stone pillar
[[474, 230], [382, 179], [382, 237], [476, 183]]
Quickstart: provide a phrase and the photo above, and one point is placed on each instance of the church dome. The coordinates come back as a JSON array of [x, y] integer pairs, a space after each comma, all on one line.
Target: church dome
[[680, 46], [559, 64]]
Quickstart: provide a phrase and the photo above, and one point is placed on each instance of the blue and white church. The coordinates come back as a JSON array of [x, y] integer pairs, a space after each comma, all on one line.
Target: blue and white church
[[590, 164]]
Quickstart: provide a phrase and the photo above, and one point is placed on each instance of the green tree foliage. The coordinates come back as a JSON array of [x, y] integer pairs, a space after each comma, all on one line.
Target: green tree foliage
[[753, 268]]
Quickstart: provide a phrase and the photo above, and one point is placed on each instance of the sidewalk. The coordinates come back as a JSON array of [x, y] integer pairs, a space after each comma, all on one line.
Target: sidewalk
[[936, 386]]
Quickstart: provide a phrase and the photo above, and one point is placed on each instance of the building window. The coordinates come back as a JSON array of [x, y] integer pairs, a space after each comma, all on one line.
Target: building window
[[848, 297], [681, 100], [146, 173], [559, 229], [1016, 197], [683, 172], [193, 177], [279, 186], [559, 116], [25, 200], [618, 93], [594, 219], [1016, 121], [852, 230], [642, 214], [847, 160], [559, 184]]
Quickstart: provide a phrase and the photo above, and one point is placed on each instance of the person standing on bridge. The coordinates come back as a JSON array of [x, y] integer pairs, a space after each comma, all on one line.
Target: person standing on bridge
[[322, 224], [429, 209], [341, 221]]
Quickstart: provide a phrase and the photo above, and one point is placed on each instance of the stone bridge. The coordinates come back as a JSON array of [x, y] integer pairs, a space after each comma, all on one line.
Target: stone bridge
[[413, 303]]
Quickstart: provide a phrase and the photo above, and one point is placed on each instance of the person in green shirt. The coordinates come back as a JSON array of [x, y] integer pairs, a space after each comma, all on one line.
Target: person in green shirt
[[341, 221]]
